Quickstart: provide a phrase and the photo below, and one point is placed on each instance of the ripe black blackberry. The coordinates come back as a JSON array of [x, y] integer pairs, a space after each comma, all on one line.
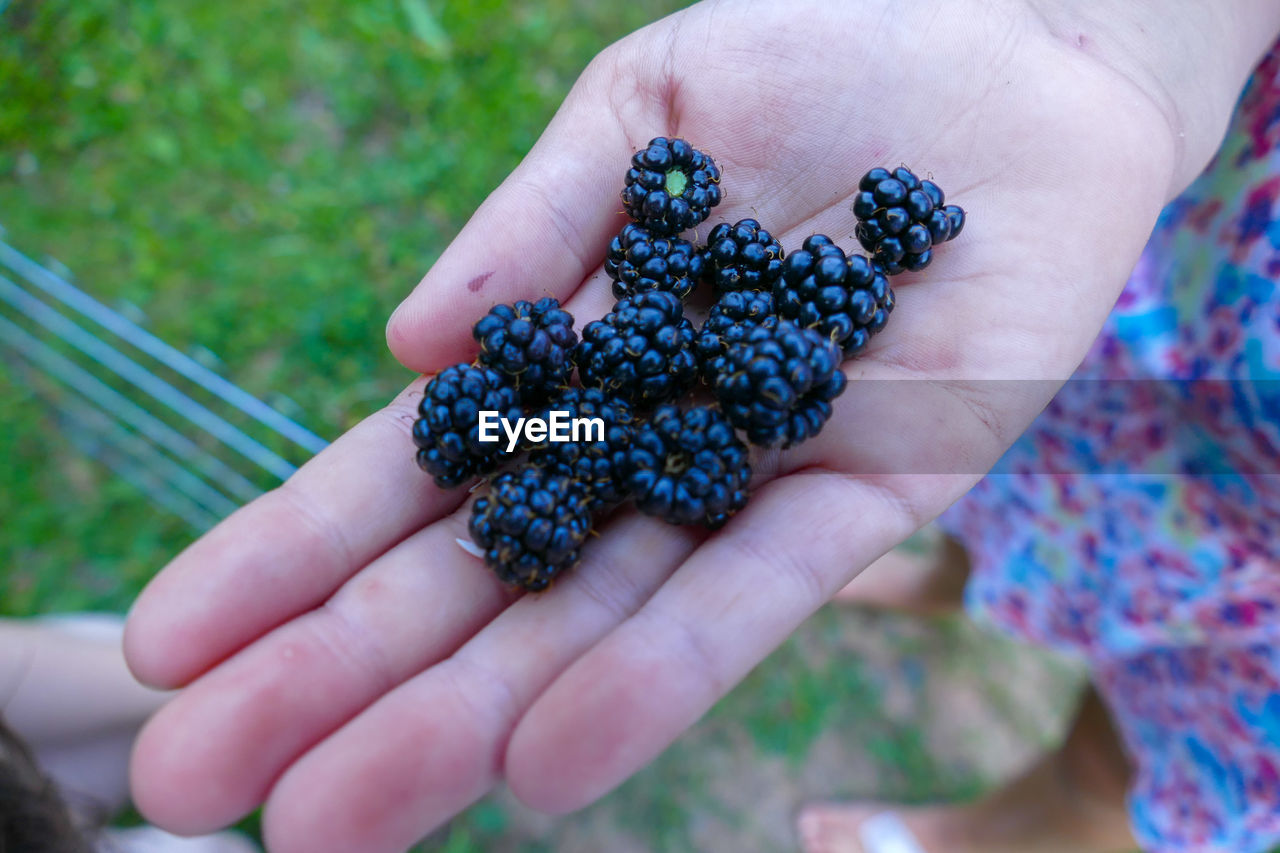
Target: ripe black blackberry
[[642, 350], [671, 186], [531, 525], [742, 256], [530, 342], [731, 317], [778, 383], [688, 467], [447, 431], [593, 459], [901, 218], [639, 260], [846, 298]]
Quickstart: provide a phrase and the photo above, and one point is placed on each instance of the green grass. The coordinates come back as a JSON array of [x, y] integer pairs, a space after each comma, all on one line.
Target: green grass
[[266, 181]]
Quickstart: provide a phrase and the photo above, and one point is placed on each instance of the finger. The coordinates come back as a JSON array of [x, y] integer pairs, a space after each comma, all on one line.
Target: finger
[[210, 755], [433, 745], [286, 551], [801, 539], [539, 234]]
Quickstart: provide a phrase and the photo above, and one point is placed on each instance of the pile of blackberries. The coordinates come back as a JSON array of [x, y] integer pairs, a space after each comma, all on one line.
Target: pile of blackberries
[[767, 359]]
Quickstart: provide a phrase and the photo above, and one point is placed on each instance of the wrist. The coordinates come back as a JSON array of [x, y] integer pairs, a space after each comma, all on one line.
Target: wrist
[[1189, 58]]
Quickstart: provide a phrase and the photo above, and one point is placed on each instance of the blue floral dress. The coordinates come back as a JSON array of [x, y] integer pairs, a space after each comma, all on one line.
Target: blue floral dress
[[1137, 523]]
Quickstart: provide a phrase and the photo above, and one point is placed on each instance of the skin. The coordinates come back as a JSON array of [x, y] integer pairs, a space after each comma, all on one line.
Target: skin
[[350, 666]]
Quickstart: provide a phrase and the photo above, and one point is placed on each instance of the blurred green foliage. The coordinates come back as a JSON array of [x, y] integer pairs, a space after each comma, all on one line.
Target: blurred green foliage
[[264, 180]]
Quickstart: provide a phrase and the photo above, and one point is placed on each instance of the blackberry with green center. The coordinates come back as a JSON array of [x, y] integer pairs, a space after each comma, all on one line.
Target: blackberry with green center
[[742, 256], [846, 298], [447, 431], [778, 383], [671, 186], [593, 459], [688, 467], [901, 218], [732, 316], [642, 350], [531, 525], [532, 342], [639, 260]]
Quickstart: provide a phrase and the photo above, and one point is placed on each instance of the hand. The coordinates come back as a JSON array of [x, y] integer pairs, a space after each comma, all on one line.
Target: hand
[[355, 669]]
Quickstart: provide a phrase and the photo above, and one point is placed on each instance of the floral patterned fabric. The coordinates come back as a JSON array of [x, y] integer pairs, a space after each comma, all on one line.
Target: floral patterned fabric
[[1137, 523]]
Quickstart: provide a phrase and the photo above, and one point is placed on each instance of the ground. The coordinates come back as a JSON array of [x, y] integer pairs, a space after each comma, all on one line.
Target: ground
[[856, 705]]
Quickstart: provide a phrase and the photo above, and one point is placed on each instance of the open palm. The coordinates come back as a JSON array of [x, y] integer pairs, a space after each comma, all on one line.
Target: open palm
[[353, 668]]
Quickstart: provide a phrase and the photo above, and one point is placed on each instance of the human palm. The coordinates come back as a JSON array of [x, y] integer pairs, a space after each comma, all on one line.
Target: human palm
[[351, 666]]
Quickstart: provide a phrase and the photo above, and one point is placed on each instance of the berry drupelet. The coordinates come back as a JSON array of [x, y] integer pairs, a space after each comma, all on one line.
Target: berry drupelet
[[778, 383], [901, 218], [639, 260], [732, 316], [592, 459], [742, 256], [447, 431], [846, 298], [531, 525], [688, 467], [530, 342], [671, 186], [642, 350]]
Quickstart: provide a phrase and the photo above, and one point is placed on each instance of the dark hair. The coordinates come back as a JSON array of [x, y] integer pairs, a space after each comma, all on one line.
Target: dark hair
[[33, 816]]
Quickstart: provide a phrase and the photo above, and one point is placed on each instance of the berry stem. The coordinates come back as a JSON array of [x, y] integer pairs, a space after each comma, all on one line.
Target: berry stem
[[676, 182]]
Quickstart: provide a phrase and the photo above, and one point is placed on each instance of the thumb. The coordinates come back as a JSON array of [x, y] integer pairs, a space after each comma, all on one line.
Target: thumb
[[541, 232]]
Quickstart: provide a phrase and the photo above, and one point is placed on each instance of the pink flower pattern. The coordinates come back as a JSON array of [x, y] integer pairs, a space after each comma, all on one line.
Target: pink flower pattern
[[1137, 523]]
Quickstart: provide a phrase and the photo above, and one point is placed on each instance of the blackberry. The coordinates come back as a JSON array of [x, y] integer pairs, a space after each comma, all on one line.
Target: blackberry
[[639, 260], [846, 298], [447, 431], [671, 186], [531, 525], [688, 467], [901, 218], [594, 460], [641, 350], [778, 383], [742, 256], [530, 342], [731, 317]]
